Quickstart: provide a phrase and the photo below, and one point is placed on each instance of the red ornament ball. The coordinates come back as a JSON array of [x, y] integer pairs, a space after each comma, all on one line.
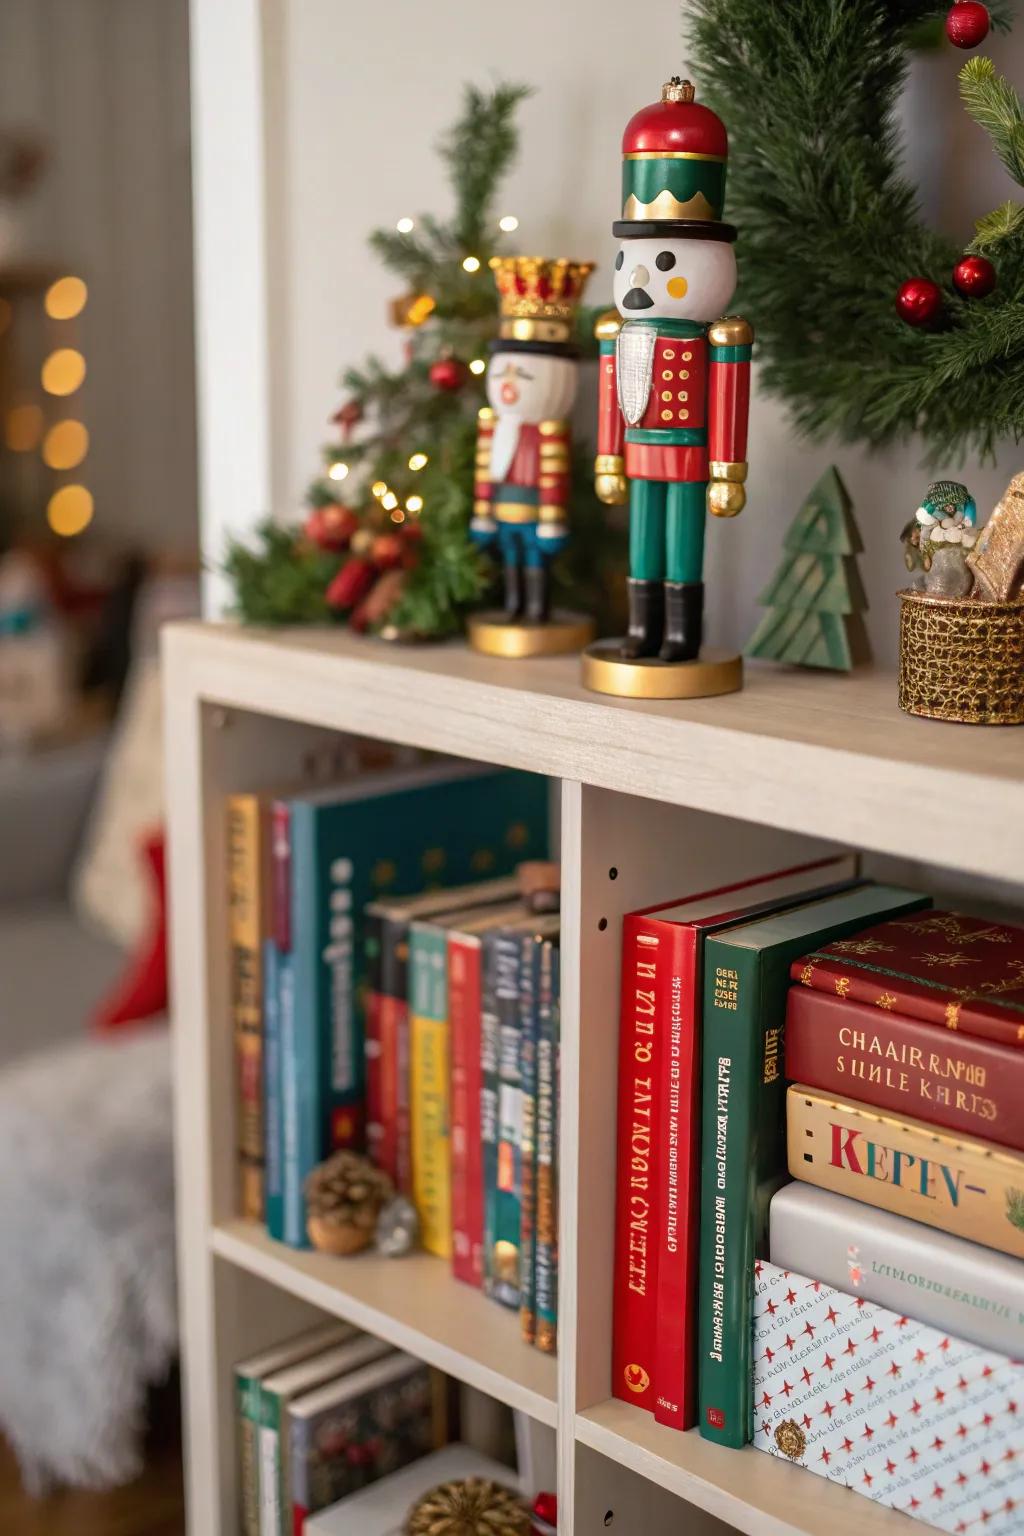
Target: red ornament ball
[[448, 374], [331, 526], [545, 1510], [919, 300], [967, 23], [386, 550], [974, 277]]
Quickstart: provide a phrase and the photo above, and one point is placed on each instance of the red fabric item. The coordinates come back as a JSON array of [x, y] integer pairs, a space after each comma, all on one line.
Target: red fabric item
[[141, 992]]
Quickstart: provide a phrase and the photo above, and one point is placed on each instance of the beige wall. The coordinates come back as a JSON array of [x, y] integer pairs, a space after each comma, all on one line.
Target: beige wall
[[359, 95], [105, 84]]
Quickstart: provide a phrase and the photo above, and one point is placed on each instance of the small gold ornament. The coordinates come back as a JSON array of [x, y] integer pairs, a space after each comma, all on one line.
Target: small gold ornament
[[791, 1440], [472, 1506], [961, 659], [344, 1197]]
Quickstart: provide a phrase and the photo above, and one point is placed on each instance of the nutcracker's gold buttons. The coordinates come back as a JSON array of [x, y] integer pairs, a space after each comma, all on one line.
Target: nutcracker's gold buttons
[[666, 394], [687, 356], [684, 373], [668, 353], [683, 395], [684, 415], [667, 374], [666, 415]]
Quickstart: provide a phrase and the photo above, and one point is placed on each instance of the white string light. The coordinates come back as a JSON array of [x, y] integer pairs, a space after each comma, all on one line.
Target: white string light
[[471, 264], [414, 503], [338, 471], [508, 223], [477, 365], [406, 226], [418, 461], [389, 501]]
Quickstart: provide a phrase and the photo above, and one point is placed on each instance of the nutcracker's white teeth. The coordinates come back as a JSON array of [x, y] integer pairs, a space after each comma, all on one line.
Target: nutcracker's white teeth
[[636, 298]]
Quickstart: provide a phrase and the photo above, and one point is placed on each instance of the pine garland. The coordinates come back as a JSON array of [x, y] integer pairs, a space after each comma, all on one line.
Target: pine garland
[[830, 228]]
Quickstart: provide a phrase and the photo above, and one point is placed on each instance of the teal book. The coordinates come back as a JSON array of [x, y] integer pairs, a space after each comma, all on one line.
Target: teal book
[[545, 1263], [377, 836], [743, 1134], [273, 1142]]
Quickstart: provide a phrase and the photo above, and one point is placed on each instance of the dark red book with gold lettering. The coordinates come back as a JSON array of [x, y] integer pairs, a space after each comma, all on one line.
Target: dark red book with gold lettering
[[940, 967], [889, 1061], [657, 1231]]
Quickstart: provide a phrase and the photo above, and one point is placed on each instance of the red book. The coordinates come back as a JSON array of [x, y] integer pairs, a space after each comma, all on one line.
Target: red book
[[657, 1228], [940, 967], [880, 1058], [464, 1002]]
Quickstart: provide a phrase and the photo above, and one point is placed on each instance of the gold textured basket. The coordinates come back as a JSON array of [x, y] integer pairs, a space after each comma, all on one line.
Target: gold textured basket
[[962, 659]]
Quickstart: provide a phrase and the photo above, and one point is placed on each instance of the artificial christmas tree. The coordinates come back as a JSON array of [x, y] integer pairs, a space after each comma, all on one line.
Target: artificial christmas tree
[[815, 599]]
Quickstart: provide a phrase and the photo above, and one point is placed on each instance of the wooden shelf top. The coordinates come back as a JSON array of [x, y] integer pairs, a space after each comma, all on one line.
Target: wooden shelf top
[[413, 1303], [820, 753], [758, 1494]]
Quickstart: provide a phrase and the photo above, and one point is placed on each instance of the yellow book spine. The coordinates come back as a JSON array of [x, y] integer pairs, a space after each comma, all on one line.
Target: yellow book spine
[[245, 927], [431, 1157], [972, 1188]]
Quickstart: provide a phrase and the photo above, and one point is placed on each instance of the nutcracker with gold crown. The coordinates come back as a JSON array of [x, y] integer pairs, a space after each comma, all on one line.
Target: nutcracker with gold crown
[[522, 485], [673, 397]]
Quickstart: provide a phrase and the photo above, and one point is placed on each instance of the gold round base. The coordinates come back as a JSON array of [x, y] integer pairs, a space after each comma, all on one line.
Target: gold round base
[[494, 635], [605, 670]]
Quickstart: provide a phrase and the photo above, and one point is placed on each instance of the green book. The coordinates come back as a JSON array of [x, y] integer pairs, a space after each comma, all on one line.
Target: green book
[[249, 1375], [743, 1135], [276, 1393]]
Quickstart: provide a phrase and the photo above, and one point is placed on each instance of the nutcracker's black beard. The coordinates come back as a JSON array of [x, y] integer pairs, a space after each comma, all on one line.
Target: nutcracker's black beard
[[637, 298]]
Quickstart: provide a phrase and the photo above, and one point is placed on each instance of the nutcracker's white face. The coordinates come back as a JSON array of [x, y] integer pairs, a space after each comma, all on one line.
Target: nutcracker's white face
[[531, 386], [674, 279]]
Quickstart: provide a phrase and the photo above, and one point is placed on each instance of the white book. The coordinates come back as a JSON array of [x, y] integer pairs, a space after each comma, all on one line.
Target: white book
[[381, 1509], [970, 1292], [276, 1392]]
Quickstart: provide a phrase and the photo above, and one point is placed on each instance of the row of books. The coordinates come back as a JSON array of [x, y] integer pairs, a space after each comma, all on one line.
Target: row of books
[[323, 1416], [899, 1031], [303, 863], [463, 1053]]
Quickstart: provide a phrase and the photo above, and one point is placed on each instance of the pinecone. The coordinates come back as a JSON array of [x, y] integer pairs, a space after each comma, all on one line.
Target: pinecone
[[473, 1506], [344, 1197]]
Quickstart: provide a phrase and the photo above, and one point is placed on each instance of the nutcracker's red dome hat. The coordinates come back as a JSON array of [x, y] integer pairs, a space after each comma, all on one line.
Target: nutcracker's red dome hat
[[674, 156]]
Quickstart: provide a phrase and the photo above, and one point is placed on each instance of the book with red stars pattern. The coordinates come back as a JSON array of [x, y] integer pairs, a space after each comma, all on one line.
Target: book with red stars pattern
[[897, 1411]]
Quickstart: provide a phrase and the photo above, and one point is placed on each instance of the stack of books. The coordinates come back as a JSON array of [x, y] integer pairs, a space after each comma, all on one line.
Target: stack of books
[[905, 1044], [701, 1128], [302, 867], [463, 1025], [323, 1416]]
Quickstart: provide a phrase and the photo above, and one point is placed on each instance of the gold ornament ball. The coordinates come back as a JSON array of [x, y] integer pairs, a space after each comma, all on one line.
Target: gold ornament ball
[[726, 498], [473, 1506], [362, 541]]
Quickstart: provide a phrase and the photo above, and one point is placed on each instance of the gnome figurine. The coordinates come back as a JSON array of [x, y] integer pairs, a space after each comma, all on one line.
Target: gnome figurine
[[674, 395], [522, 482]]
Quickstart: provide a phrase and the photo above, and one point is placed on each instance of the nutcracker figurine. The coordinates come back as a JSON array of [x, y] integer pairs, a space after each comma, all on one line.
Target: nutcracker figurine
[[673, 396], [521, 491]]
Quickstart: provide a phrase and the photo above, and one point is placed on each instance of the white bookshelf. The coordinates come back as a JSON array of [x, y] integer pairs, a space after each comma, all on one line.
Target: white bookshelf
[[656, 799]]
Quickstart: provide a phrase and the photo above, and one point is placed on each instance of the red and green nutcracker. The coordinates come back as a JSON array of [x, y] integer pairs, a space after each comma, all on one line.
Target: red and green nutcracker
[[674, 376]]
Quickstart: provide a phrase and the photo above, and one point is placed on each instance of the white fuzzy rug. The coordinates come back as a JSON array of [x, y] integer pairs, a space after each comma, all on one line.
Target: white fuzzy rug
[[87, 1304]]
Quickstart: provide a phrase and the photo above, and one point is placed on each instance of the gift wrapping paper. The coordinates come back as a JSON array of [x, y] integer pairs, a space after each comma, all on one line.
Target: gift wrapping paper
[[900, 1412]]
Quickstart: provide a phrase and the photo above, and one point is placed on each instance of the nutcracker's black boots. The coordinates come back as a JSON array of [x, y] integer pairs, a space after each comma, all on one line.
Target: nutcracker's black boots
[[513, 591], [646, 614], [537, 601], [684, 612]]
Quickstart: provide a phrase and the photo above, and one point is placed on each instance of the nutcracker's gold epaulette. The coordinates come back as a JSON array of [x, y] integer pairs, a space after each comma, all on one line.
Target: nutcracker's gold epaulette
[[485, 413], [553, 428], [608, 325], [731, 331]]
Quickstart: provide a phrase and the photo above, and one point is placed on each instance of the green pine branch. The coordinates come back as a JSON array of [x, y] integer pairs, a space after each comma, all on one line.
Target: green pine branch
[[995, 106], [478, 151]]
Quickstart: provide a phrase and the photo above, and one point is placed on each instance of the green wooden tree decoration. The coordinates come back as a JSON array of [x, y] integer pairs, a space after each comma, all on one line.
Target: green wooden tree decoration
[[816, 600]]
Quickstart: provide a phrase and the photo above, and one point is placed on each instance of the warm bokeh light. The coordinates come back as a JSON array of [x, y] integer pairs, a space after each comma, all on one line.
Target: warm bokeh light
[[23, 428], [418, 461], [65, 445], [405, 226], [66, 298], [69, 510], [471, 264], [508, 223], [414, 503], [389, 502], [477, 365], [338, 471], [421, 308], [63, 371], [378, 488], [398, 516]]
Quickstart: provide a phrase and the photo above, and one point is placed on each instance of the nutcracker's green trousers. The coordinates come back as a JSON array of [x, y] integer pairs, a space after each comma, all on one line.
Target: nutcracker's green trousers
[[666, 529]]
